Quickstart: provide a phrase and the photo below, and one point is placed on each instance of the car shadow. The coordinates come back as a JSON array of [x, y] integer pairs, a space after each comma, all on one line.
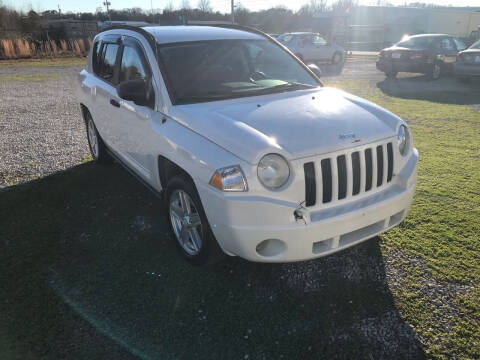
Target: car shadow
[[91, 272], [446, 90]]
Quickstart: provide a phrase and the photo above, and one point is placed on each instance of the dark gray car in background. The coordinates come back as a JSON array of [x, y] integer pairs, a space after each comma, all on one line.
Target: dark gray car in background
[[431, 54], [468, 63]]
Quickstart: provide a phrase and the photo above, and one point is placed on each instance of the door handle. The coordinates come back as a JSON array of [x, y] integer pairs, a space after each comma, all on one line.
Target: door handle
[[114, 103]]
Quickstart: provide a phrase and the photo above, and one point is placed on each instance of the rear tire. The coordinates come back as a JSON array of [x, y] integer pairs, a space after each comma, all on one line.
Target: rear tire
[[188, 223], [337, 58], [97, 147]]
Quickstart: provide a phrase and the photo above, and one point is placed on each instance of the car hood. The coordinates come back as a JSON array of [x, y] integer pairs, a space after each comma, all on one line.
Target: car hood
[[295, 124]]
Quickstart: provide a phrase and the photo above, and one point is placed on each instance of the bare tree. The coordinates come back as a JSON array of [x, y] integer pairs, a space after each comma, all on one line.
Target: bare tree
[[185, 4], [204, 5], [169, 7]]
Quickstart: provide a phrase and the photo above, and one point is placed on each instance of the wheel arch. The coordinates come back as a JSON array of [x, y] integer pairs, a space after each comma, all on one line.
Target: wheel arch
[[85, 112], [168, 169]]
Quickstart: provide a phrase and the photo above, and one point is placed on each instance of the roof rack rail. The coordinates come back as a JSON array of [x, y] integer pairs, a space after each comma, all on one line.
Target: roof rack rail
[[229, 25]]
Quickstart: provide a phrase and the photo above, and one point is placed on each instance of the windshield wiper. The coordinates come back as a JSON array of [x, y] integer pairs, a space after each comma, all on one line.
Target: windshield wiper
[[288, 86]]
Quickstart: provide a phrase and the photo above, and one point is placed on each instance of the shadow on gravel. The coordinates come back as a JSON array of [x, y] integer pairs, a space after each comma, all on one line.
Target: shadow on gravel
[[92, 240], [446, 90]]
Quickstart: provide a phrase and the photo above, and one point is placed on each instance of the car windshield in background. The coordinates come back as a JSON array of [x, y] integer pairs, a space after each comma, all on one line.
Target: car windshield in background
[[221, 69], [475, 45], [422, 42]]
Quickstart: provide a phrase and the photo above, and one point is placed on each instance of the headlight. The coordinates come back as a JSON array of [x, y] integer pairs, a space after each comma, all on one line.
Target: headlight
[[229, 179], [273, 171], [403, 139]]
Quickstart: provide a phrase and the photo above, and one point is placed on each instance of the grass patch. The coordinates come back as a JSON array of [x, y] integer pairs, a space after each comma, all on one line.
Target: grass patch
[[46, 62], [443, 227], [28, 77]]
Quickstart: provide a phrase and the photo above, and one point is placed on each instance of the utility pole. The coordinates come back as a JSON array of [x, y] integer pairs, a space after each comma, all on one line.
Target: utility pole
[[232, 15], [59, 10], [107, 4]]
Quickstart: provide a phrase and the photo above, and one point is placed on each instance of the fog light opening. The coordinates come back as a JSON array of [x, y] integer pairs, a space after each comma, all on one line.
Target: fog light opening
[[271, 247]]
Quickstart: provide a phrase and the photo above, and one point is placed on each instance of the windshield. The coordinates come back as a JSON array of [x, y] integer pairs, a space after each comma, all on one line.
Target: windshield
[[416, 42], [475, 45], [221, 69]]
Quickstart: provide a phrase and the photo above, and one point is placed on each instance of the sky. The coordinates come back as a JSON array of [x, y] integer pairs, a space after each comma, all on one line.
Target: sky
[[218, 5]]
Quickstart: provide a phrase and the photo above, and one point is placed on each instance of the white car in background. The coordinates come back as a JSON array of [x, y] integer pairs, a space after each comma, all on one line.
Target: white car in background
[[311, 47], [253, 156]]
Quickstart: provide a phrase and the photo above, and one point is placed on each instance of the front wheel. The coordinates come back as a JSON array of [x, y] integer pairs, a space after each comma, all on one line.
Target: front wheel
[[188, 223], [436, 71], [98, 150]]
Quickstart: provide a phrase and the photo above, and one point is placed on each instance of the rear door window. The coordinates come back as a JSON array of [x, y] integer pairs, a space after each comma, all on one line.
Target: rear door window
[[448, 44], [318, 40], [460, 45]]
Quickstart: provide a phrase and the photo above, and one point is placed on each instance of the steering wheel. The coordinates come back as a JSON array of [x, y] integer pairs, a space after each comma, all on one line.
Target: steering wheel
[[257, 75]]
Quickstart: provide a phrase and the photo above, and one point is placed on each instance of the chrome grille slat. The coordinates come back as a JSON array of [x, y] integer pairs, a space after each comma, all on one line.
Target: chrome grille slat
[[333, 164], [385, 164], [351, 173]]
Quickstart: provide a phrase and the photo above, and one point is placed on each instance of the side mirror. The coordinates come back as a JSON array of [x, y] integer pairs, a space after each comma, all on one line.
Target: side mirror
[[315, 69], [133, 90]]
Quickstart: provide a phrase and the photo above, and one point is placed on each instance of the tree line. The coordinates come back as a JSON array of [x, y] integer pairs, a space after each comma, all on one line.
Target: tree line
[[278, 19]]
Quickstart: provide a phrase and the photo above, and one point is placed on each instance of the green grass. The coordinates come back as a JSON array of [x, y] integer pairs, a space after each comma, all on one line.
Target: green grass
[[28, 77], [443, 227], [46, 62]]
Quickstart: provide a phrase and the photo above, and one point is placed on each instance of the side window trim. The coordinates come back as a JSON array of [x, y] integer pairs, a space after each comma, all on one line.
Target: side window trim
[[104, 41]]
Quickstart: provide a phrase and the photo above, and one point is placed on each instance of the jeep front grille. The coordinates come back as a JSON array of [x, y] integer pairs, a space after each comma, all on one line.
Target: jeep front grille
[[348, 174]]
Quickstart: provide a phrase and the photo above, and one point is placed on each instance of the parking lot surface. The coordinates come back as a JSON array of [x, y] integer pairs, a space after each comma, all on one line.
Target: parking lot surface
[[89, 270]]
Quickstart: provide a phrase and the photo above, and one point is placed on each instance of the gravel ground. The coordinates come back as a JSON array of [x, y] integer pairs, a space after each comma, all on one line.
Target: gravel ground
[[41, 131]]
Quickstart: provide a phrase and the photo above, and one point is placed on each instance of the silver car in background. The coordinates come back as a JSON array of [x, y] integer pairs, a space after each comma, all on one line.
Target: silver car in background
[[468, 63], [309, 46]]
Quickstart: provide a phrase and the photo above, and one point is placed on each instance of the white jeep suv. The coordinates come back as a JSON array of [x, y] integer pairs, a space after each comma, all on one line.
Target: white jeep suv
[[252, 155]]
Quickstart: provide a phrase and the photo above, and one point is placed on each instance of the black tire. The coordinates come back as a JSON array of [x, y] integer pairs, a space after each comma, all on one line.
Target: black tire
[[391, 74], [99, 153], [337, 58], [209, 252], [436, 71]]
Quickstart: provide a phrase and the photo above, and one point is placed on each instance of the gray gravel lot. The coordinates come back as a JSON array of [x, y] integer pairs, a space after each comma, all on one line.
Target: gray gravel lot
[[41, 131]]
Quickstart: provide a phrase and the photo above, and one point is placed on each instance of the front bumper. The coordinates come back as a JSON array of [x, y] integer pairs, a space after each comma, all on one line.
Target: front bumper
[[241, 224]]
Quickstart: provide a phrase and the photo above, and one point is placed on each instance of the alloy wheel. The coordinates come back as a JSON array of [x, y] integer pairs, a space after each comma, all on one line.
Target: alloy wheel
[[186, 222], [436, 71], [92, 138], [337, 58]]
